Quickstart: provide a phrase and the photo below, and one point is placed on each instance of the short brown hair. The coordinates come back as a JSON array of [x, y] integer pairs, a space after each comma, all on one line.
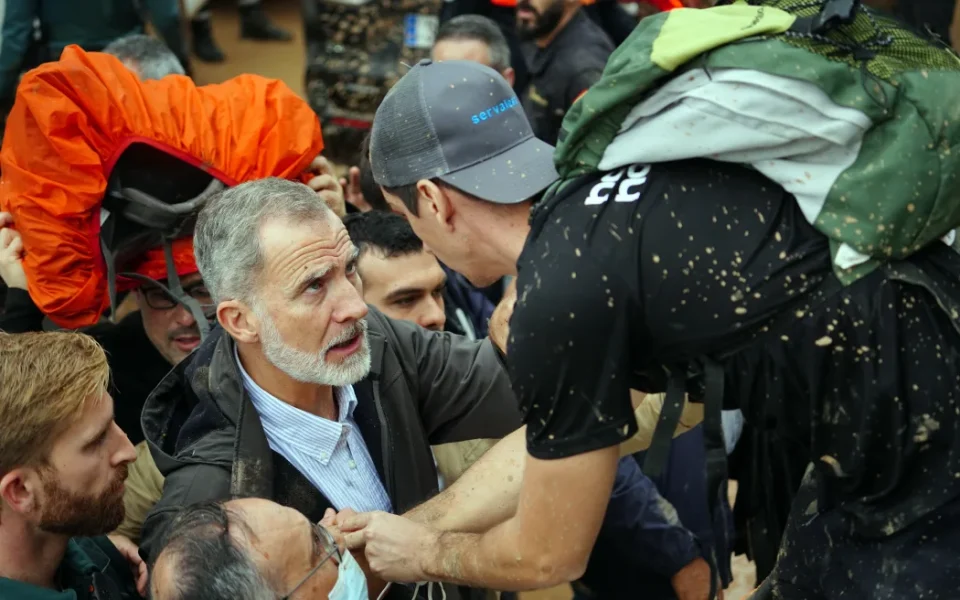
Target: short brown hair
[[46, 379]]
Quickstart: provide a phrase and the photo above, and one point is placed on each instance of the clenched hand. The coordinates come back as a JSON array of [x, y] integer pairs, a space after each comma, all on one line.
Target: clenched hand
[[327, 186], [396, 548]]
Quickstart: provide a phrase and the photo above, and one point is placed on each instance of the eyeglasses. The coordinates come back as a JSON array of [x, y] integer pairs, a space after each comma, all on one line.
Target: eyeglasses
[[325, 547], [158, 299]]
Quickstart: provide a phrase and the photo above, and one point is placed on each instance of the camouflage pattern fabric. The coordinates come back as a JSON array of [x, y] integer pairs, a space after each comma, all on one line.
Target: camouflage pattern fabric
[[899, 195], [356, 51]]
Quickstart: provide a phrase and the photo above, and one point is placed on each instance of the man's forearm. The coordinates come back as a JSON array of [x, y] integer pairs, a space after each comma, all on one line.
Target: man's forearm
[[489, 560], [486, 495], [547, 541]]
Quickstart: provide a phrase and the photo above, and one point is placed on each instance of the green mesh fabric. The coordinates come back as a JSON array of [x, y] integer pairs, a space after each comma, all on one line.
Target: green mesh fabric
[[896, 48]]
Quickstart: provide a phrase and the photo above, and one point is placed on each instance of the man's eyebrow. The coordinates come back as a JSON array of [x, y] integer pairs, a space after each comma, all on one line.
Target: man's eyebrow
[[318, 273], [101, 433], [407, 291]]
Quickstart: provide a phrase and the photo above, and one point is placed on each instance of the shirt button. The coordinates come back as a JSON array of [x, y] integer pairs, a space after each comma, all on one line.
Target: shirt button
[[353, 464]]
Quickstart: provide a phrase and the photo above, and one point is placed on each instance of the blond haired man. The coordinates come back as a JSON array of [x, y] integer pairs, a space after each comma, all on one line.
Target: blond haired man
[[63, 462]]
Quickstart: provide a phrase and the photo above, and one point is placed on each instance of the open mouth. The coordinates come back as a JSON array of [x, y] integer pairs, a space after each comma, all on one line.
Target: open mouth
[[186, 343], [347, 347]]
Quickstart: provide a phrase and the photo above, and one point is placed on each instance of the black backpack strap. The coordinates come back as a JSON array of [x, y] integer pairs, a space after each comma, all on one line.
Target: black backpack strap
[[716, 456], [659, 451], [716, 460], [173, 289], [111, 263]]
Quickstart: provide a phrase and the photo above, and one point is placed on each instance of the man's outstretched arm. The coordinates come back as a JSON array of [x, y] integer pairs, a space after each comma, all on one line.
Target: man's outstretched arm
[[546, 542], [484, 496]]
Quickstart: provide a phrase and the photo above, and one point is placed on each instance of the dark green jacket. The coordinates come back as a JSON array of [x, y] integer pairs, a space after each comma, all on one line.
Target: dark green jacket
[[86, 558], [91, 24]]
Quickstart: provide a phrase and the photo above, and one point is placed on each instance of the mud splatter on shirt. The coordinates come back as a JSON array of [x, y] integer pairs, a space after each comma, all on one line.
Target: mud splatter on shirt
[[692, 258]]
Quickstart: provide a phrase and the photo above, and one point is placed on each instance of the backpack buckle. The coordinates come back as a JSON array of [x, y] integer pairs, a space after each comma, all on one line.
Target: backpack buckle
[[833, 14], [837, 12]]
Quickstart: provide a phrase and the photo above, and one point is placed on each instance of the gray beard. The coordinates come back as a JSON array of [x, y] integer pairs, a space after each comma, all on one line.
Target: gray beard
[[312, 367]]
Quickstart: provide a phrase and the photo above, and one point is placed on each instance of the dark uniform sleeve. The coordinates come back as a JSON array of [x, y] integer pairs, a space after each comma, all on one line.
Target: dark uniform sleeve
[[580, 83], [569, 355]]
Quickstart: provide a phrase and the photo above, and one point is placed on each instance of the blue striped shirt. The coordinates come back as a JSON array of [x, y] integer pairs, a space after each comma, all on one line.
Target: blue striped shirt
[[332, 455]]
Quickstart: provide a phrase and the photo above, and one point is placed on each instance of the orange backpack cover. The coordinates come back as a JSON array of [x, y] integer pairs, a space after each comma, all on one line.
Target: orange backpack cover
[[72, 120]]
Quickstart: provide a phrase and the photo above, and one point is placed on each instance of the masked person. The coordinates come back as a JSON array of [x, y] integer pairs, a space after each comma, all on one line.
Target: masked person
[[319, 400], [253, 549], [630, 270], [62, 465]]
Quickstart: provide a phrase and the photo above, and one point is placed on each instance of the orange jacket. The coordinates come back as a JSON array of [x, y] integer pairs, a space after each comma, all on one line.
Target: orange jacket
[[71, 121]]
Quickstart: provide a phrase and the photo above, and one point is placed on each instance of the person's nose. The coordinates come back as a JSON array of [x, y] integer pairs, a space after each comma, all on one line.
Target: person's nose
[[433, 315], [125, 452], [182, 316], [349, 304]]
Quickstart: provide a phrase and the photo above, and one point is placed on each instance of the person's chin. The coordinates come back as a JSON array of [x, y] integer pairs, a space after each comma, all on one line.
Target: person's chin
[[355, 367], [482, 280]]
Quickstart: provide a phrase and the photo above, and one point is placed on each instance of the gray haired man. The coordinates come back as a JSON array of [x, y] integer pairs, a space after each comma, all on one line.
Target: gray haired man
[[146, 56], [305, 395], [476, 38]]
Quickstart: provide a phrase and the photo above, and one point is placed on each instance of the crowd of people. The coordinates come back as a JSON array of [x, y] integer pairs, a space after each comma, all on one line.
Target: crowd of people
[[525, 342]]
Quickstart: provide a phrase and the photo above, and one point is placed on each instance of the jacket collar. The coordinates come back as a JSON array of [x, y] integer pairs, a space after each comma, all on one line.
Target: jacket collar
[[252, 473]]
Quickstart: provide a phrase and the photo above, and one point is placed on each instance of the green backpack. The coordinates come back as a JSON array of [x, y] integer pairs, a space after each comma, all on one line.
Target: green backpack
[[850, 111]]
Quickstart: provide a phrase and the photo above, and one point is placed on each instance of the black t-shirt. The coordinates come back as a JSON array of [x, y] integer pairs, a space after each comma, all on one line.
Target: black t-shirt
[[628, 271]]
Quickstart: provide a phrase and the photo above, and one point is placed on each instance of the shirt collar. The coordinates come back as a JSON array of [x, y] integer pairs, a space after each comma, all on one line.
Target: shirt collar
[[277, 415]]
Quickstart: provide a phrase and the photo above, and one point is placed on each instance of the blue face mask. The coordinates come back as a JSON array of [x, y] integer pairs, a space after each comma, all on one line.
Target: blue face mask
[[351, 582]]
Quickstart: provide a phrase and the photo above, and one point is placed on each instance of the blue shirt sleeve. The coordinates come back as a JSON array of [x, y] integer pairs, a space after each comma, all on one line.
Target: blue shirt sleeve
[[644, 527]]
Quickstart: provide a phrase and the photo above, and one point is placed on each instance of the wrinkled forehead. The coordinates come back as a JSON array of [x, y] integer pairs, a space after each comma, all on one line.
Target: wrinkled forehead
[[289, 246], [262, 520]]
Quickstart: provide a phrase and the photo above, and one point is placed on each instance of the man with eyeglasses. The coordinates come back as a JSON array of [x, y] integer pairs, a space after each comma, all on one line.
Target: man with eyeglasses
[[253, 549], [143, 346]]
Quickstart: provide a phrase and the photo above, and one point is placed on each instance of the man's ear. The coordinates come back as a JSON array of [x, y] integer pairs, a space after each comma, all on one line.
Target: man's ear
[[19, 489], [434, 202], [238, 320], [510, 75]]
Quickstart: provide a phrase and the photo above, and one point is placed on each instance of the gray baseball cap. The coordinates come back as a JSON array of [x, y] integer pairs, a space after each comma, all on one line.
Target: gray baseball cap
[[461, 122]]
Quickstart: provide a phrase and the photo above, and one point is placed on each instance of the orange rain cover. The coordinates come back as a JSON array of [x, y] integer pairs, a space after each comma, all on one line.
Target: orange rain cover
[[71, 121]]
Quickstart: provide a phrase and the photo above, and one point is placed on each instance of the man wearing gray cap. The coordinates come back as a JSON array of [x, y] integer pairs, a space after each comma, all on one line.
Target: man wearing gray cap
[[454, 153], [693, 275]]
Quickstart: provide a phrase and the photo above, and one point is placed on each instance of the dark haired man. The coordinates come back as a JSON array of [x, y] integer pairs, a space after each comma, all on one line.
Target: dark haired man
[[476, 38], [567, 52], [252, 549], [691, 275], [644, 549]]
